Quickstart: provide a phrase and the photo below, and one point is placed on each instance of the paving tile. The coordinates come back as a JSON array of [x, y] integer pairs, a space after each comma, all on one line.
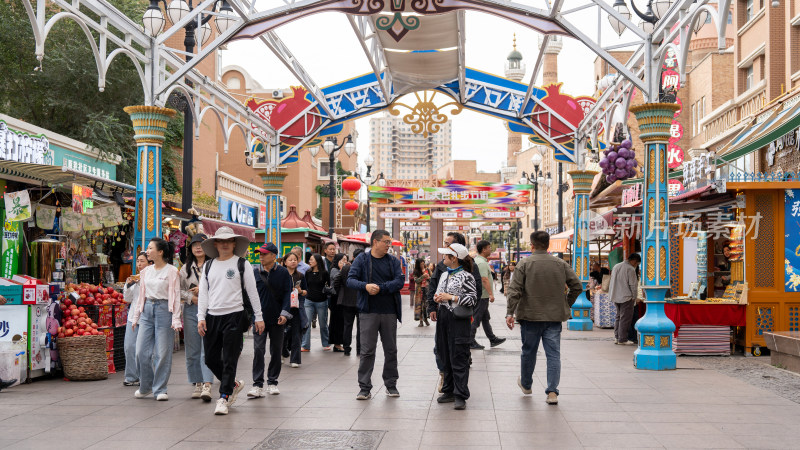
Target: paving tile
[[697, 441], [596, 416], [605, 440], [186, 445], [460, 425], [8, 443], [156, 434], [526, 441], [706, 429], [401, 440], [254, 435], [459, 438], [603, 427], [369, 423], [216, 435], [132, 445], [333, 422], [756, 439]]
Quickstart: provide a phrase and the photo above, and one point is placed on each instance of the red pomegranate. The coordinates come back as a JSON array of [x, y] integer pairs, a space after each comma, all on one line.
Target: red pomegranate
[[566, 106], [280, 113]]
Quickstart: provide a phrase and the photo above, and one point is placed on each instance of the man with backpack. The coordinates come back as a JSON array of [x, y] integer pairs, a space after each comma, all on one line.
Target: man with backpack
[[274, 291], [225, 310]]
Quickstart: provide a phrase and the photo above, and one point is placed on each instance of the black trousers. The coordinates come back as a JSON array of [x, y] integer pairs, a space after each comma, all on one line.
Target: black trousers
[[481, 317], [452, 346], [350, 316], [293, 337], [223, 345], [336, 326], [275, 334]]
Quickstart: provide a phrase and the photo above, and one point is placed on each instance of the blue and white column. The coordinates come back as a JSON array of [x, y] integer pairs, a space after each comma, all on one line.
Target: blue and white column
[[273, 186], [150, 126], [655, 329], [580, 319]]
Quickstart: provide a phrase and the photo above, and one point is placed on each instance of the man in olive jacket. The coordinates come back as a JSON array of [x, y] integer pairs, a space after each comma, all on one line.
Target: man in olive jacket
[[536, 298]]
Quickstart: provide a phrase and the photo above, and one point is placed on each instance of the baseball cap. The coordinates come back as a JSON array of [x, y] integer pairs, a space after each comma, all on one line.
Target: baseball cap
[[268, 247], [455, 249]]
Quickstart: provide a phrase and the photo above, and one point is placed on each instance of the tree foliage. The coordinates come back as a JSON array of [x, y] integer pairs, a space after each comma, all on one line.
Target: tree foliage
[[63, 95]]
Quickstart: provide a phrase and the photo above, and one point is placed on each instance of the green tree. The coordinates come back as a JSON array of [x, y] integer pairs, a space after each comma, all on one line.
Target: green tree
[[63, 96]]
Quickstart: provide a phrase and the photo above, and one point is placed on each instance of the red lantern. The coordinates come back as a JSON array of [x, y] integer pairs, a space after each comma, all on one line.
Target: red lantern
[[351, 185], [351, 205]]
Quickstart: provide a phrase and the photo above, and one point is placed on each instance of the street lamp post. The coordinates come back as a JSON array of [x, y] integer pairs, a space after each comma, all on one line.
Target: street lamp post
[[536, 178], [153, 22], [561, 187], [330, 146], [368, 181]]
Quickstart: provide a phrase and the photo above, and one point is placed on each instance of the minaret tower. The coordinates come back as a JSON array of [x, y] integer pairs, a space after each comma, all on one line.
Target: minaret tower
[[515, 70]]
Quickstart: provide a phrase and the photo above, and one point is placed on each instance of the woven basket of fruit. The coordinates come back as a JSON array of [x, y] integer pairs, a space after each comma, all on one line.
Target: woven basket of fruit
[[84, 357]]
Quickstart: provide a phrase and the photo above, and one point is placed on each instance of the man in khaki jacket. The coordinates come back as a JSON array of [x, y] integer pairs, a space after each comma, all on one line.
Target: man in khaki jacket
[[536, 297]]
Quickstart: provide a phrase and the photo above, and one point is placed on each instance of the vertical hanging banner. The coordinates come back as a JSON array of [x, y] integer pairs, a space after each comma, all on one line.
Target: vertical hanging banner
[[81, 198], [18, 206], [9, 263]]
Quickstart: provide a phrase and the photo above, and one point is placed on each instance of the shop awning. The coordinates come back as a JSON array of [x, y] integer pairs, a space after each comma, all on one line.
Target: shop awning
[[210, 226], [760, 135], [55, 175]]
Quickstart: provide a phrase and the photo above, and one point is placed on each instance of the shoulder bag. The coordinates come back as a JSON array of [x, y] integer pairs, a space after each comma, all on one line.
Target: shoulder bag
[[460, 311]]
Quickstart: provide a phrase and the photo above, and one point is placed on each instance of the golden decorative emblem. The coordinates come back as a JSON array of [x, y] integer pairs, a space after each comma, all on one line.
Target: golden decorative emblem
[[139, 216], [662, 164], [664, 342], [651, 263], [151, 212], [651, 214], [662, 207], [151, 170], [425, 117], [662, 260], [585, 313], [649, 341], [651, 169], [142, 164]]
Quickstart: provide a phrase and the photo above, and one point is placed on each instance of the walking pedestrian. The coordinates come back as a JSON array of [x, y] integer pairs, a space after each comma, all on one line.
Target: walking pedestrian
[[421, 277], [508, 273], [623, 291], [336, 325], [158, 315], [227, 296], [274, 285], [199, 375], [378, 279], [299, 321], [317, 279], [302, 267], [329, 251], [456, 289], [348, 299], [130, 294], [481, 314], [536, 298]]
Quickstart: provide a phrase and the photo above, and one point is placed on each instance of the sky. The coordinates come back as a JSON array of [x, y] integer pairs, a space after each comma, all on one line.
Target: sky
[[326, 46]]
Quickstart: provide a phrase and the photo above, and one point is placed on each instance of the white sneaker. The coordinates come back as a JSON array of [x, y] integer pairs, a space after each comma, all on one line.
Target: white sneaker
[[206, 393], [272, 389], [237, 388], [222, 407], [198, 390], [162, 397], [524, 391], [255, 392], [139, 394], [295, 365]]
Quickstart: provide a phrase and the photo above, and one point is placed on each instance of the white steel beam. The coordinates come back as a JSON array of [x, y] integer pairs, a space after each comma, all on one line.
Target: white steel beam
[[367, 36], [462, 65]]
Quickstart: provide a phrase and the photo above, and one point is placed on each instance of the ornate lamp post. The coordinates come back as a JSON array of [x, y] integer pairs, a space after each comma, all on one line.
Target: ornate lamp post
[[330, 146], [561, 188], [153, 22], [653, 12], [368, 181], [535, 178]]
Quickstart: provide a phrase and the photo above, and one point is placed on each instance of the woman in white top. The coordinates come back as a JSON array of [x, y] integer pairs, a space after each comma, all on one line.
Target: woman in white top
[[131, 296], [159, 314], [199, 374]]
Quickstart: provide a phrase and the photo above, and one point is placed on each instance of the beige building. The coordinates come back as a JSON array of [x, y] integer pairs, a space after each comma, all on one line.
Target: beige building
[[401, 154]]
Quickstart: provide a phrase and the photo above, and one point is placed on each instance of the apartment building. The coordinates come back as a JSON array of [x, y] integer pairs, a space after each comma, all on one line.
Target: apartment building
[[401, 154]]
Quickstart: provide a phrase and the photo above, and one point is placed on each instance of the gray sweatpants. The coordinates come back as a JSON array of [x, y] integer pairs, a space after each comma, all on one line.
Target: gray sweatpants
[[622, 322], [371, 326]]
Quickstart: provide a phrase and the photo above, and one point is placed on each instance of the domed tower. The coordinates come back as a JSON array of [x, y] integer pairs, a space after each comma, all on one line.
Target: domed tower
[[514, 70], [550, 62]]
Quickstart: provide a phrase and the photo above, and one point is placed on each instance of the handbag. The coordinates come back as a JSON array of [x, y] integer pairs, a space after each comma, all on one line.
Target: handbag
[[294, 299], [460, 311], [606, 283]]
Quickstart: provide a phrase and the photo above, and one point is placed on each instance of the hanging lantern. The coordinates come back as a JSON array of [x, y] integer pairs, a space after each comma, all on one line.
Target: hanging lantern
[[351, 205], [351, 185]]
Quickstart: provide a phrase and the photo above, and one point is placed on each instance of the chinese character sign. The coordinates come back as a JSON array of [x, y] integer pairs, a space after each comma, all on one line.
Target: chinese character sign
[[791, 243]]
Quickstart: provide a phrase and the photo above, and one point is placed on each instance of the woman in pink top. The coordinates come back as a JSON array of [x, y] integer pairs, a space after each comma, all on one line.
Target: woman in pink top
[[158, 313]]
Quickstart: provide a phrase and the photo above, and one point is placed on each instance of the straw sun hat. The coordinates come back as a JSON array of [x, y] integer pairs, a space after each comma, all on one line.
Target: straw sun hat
[[224, 233]]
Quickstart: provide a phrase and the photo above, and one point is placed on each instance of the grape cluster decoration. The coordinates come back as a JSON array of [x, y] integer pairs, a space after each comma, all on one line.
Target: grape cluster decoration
[[619, 161]]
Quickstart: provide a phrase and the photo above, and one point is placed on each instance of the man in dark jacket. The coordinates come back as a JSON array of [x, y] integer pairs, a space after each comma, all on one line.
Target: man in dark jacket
[[378, 279], [274, 286], [536, 297]]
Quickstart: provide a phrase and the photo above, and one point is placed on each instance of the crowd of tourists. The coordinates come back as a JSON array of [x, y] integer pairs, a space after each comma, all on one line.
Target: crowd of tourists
[[217, 296]]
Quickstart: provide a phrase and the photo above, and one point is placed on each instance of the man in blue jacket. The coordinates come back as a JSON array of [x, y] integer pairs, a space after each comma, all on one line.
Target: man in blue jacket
[[378, 279], [274, 286]]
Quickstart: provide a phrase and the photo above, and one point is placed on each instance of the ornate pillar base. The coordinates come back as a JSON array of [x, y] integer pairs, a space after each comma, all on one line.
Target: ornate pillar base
[[580, 318], [273, 186], [655, 334], [150, 126]]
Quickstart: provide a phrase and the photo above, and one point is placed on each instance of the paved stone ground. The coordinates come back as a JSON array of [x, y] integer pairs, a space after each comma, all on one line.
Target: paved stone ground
[[605, 402]]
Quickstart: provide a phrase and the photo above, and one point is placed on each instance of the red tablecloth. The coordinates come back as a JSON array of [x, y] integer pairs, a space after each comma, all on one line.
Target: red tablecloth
[[711, 314]]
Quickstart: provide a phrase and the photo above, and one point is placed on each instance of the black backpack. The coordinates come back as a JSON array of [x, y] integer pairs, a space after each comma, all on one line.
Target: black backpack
[[248, 307]]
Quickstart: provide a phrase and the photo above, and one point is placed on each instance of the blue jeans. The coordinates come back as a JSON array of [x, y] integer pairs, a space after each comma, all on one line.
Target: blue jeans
[[131, 367], [550, 335], [195, 355], [319, 309], [154, 347]]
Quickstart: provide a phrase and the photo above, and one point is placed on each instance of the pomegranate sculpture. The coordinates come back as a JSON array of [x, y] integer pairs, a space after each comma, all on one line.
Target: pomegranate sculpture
[[619, 161]]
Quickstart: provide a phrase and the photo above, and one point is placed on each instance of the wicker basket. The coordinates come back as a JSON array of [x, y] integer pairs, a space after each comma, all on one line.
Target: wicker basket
[[84, 357]]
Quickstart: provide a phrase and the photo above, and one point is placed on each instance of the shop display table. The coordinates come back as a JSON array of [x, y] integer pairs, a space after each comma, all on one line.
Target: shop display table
[[604, 310], [704, 328]]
